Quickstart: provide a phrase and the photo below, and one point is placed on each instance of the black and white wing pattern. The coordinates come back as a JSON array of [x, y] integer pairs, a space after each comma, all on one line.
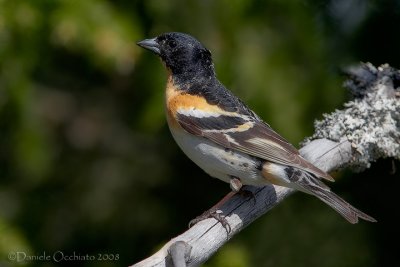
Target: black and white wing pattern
[[246, 134]]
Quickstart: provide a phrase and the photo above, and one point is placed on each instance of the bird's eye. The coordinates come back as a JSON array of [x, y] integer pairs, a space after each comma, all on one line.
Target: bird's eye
[[171, 43]]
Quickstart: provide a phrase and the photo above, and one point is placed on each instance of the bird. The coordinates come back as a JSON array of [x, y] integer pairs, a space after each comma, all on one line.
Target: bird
[[223, 136]]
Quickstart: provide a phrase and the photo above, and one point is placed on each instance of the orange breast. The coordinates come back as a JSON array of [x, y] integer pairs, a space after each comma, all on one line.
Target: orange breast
[[177, 99]]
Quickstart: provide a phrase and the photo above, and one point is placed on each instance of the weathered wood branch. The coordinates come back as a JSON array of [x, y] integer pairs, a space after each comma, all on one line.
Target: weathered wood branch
[[367, 129]]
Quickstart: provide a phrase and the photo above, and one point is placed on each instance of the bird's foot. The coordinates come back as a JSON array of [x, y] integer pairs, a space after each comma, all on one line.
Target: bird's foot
[[212, 213], [237, 186]]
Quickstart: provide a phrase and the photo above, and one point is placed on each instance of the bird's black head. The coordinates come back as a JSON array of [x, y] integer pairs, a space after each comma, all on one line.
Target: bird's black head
[[182, 54]]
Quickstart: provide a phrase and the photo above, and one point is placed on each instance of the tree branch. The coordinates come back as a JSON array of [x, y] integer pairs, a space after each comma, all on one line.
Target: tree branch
[[371, 122], [367, 129]]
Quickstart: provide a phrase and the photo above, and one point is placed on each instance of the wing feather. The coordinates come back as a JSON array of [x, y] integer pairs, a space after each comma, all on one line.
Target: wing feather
[[248, 135]]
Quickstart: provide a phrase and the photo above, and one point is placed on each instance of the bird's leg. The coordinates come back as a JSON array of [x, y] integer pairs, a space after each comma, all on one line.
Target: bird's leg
[[236, 187], [235, 184]]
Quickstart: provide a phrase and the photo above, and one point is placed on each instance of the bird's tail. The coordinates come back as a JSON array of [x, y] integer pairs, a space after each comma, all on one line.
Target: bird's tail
[[315, 187]]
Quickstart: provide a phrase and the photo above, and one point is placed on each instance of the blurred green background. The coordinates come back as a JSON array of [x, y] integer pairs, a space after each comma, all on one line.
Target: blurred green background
[[87, 163]]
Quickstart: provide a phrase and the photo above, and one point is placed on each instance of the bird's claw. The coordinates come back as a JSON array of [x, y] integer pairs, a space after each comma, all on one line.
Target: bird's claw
[[212, 214]]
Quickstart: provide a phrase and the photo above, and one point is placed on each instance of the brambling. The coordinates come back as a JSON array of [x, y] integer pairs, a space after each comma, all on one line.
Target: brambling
[[224, 137]]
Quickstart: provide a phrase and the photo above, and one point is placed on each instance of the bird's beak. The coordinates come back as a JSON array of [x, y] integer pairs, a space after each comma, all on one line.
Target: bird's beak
[[150, 44]]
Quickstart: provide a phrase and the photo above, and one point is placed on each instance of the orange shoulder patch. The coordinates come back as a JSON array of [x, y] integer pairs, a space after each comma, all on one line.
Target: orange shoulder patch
[[177, 99]]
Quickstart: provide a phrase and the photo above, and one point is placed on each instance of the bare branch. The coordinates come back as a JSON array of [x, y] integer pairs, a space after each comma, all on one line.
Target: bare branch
[[367, 129]]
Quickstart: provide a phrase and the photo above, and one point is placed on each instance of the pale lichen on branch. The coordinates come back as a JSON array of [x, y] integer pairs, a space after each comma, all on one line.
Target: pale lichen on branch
[[371, 121]]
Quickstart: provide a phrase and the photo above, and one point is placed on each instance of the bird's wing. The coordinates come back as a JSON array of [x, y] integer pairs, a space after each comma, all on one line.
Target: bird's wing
[[246, 134]]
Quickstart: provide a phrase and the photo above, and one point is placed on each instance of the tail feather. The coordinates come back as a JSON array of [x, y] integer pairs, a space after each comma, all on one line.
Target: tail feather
[[315, 187], [349, 212]]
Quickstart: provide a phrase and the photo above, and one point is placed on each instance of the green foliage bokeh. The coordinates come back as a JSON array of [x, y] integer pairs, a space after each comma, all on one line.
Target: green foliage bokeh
[[87, 164]]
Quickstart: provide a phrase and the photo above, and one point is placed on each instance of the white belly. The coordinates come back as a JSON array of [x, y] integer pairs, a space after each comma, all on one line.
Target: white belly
[[219, 162]]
